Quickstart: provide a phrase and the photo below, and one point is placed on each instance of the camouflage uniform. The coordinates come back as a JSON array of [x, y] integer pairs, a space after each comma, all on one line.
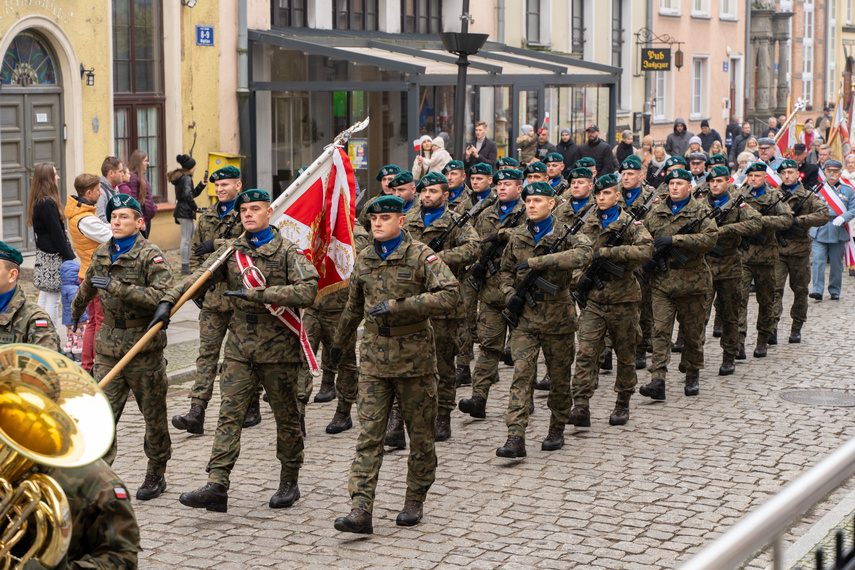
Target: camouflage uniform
[[24, 321], [260, 349], [547, 327], [140, 276], [645, 309], [758, 263], [794, 259], [397, 359]]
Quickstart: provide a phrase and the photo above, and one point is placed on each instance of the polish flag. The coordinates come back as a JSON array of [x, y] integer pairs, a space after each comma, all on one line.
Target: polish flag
[[772, 177]]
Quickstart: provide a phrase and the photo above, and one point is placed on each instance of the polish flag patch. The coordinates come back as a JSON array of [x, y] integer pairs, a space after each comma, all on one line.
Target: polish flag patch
[[431, 258], [158, 259], [120, 493], [41, 322]]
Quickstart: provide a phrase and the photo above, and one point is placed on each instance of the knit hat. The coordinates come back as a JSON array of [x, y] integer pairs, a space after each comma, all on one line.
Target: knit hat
[[224, 173], [186, 161], [9, 253], [695, 139], [254, 195], [705, 123], [386, 205], [430, 179], [119, 201]]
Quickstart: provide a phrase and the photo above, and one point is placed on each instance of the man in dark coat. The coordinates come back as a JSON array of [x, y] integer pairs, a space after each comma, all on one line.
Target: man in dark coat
[[569, 150], [483, 149], [599, 150]]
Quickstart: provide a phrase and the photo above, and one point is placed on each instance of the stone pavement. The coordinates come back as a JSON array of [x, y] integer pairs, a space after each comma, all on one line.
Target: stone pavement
[[647, 495]]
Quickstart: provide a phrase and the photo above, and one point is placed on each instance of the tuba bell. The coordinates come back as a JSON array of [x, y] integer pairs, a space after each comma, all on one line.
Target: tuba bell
[[52, 415]]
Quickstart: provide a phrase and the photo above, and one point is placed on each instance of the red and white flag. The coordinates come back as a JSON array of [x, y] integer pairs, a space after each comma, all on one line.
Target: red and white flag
[[838, 207], [772, 177], [787, 142]]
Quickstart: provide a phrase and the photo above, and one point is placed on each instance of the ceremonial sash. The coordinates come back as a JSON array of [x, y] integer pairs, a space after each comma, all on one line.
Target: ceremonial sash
[[254, 279], [838, 207]]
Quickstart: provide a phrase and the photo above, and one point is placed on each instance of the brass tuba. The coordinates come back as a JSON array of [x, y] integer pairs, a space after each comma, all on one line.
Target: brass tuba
[[54, 415]]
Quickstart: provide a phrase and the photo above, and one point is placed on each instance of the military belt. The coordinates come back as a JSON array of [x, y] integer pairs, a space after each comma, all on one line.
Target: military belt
[[541, 296], [397, 331], [688, 265], [126, 323], [255, 318]]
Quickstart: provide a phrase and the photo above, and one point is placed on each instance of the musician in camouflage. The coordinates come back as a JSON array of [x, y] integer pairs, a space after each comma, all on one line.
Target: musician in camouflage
[[21, 320]]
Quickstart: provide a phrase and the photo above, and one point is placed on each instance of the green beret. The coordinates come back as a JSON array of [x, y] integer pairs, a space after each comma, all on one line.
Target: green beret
[[224, 173], [386, 205], [403, 177], [586, 162], [507, 174], [481, 168], [535, 166], [453, 165], [119, 201], [507, 161], [631, 162], [716, 159], [430, 179], [605, 181], [718, 171], [679, 174], [758, 166], [676, 161], [580, 172], [553, 157], [538, 189], [9, 253], [251, 196], [788, 163], [387, 170]]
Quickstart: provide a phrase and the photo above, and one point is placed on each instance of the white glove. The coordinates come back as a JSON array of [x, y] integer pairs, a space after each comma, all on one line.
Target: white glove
[[838, 221]]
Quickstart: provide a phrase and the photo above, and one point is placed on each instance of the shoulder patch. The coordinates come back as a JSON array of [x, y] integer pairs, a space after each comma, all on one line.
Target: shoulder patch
[[639, 224], [158, 259], [431, 258], [41, 322], [120, 493], [742, 205]]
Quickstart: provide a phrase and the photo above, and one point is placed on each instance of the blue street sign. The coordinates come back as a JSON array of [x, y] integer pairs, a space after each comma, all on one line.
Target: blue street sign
[[204, 35], [725, 65]]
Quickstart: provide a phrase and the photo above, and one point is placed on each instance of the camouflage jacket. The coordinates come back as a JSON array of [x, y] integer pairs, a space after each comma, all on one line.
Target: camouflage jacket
[[292, 281], [555, 314], [24, 321], [210, 226], [646, 189], [104, 530], [140, 278], [724, 260], [467, 201], [489, 222], [565, 214], [364, 218], [419, 286], [334, 302], [560, 188], [702, 190], [461, 246], [452, 204], [779, 218], [813, 213], [693, 278]]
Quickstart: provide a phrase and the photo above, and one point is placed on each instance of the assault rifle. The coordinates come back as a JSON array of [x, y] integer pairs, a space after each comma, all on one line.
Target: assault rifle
[[721, 215], [495, 250], [437, 242], [760, 239], [225, 234], [659, 260], [796, 231], [641, 210]]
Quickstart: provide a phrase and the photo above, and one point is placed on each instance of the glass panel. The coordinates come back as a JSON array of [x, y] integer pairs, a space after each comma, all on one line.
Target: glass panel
[[121, 134], [147, 37], [148, 127], [295, 66], [532, 19], [408, 13], [26, 62], [529, 109], [500, 128]]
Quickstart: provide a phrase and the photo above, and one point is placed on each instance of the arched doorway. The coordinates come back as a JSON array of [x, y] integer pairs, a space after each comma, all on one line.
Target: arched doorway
[[32, 127]]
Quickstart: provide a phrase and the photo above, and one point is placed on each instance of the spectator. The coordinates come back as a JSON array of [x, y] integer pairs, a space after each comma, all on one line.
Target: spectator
[[185, 203], [68, 272], [439, 157], [744, 159], [739, 142], [826, 114], [139, 188], [770, 134], [824, 128], [600, 151], [527, 144], [808, 133], [483, 150], [678, 142], [87, 233], [420, 168], [828, 242], [773, 125], [716, 148], [809, 172], [624, 148], [656, 169], [111, 177], [695, 148], [752, 146], [544, 147], [646, 154], [708, 136], [734, 129], [52, 248], [813, 153], [569, 150], [823, 156], [848, 167]]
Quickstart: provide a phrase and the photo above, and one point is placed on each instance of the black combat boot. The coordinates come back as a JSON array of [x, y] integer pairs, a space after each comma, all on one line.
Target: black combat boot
[[395, 437], [213, 497], [740, 354], [692, 386], [554, 439], [620, 415], [543, 384], [193, 422], [340, 422], [795, 336], [253, 414], [443, 427], [287, 494], [358, 521], [326, 393], [607, 361], [655, 389], [727, 367], [152, 487], [716, 330], [773, 338], [464, 376], [580, 416], [496, 378], [681, 367], [640, 360], [760, 349], [678, 345], [514, 448], [411, 514], [476, 406], [506, 356]]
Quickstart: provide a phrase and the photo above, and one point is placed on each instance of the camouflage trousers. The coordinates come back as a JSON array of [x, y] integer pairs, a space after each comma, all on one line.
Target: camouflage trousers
[[145, 376], [619, 323], [321, 328], [239, 386], [645, 320], [468, 328], [418, 408], [213, 326], [559, 354], [446, 335], [726, 294], [764, 291], [688, 312], [492, 329], [797, 268]]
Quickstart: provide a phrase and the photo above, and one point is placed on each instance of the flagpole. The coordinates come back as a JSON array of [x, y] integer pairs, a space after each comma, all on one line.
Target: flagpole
[[834, 130], [799, 106]]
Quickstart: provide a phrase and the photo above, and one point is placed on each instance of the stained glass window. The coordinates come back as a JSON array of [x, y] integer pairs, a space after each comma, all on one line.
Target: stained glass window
[[27, 62]]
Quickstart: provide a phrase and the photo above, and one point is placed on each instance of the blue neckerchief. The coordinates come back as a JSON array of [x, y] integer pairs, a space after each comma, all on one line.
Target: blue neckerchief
[[631, 195], [258, 239], [610, 215], [677, 206], [540, 229], [387, 247], [483, 195], [789, 189], [124, 245], [579, 203], [757, 192], [720, 201], [554, 181], [506, 208], [454, 193], [409, 204], [225, 207], [5, 298], [432, 215]]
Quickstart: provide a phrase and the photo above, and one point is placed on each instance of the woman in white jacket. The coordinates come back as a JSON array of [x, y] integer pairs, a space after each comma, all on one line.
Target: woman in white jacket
[[438, 158]]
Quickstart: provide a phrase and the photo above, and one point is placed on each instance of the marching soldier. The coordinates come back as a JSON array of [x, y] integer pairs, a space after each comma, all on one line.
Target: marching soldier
[[397, 286], [130, 275], [455, 173], [589, 163], [404, 187], [535, 172], [673, 163], [760, 257], [507, 163], [680, 222], [21, 320], [548, 325], [265, 274], [794, 248], [384, 177], [554, 167]]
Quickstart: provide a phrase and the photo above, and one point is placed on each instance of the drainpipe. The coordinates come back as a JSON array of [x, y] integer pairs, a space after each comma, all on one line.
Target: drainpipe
[[648, 108], [747, 67], [501, 22], [243, 83]]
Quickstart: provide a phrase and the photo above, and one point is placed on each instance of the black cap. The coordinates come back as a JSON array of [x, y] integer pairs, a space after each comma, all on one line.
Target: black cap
[[705, 123], [799, 148]]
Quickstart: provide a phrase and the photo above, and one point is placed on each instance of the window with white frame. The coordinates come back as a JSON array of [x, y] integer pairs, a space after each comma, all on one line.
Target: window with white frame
[[728, 10], [701, 8], [699, 89], [807, 53], [532, 21], [850, 11], [670, 7], [831, 63], [577, 40], [660, 101]]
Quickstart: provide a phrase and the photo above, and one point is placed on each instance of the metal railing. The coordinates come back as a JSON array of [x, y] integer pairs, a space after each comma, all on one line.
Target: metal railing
[[768, 523]]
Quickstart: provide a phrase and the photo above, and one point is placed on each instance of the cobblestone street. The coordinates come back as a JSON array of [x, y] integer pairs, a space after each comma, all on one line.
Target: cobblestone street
[[647, 495]]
